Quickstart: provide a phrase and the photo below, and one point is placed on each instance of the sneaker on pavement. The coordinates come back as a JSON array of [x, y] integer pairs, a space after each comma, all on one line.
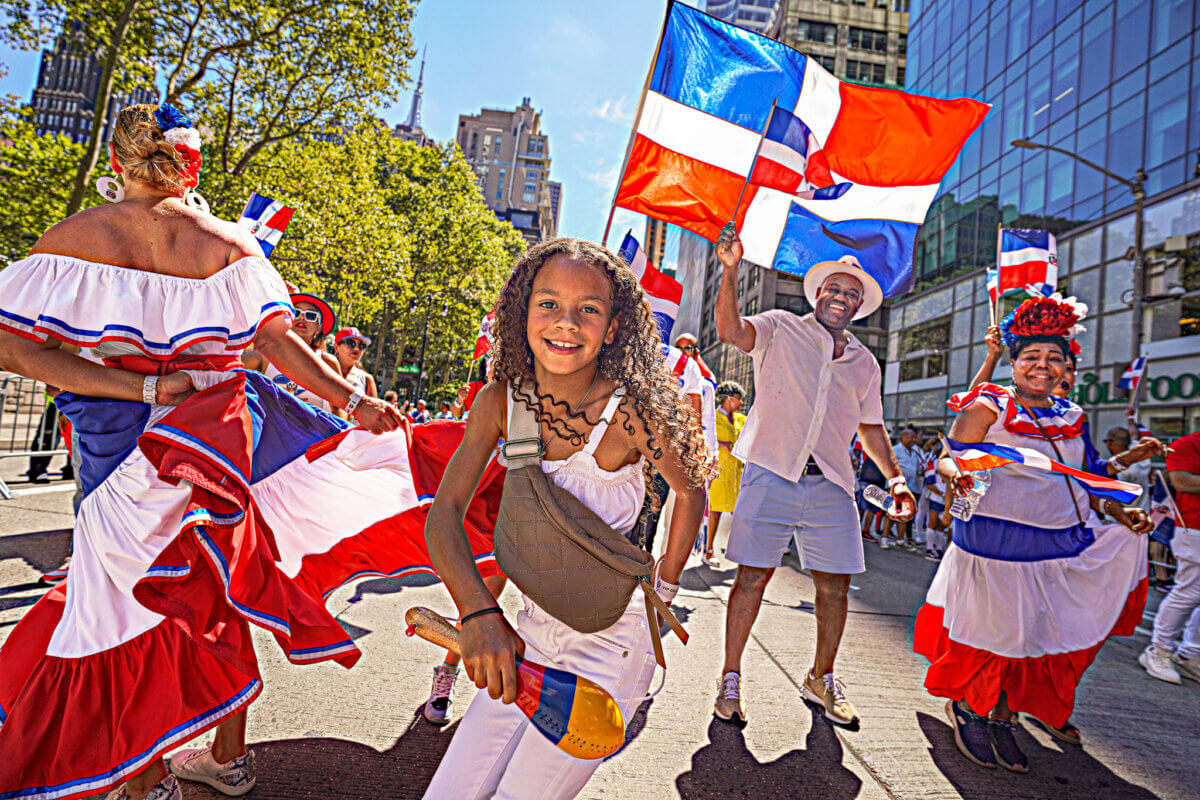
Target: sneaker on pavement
[[1004, 745], [441, 696], [971, 735], [1187, 667], [885, 543], [233, 778], [55, 576], [166, 789], [868, 537], [829, 692], [1159, 664], [729, 706], [931, 555]]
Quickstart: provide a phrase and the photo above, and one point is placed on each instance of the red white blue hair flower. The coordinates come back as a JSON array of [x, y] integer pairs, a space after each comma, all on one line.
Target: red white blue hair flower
[[178, 130], [1044, 316]]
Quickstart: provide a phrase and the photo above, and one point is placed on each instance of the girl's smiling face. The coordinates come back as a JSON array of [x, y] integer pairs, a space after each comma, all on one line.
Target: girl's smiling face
[[570, 315]]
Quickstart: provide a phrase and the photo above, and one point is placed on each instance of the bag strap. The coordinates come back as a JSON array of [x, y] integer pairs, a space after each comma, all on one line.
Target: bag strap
[[654, 603], [523, 447], [1057, 453]]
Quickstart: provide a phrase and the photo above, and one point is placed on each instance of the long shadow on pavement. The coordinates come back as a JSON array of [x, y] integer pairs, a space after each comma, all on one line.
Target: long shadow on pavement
[[42, 550], [725, 768], [338, 768], [1069, 774]]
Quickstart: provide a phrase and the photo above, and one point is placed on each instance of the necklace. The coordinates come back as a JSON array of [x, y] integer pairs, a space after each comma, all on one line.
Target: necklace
[[572, 409]]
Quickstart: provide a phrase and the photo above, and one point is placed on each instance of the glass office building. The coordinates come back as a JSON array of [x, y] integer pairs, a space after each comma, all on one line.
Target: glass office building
[[1116, 82]]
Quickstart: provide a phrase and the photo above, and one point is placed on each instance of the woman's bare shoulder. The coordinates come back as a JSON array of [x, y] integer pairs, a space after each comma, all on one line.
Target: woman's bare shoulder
[[79, 235]]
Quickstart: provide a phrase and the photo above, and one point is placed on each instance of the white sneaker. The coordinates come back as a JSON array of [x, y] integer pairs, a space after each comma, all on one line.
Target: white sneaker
[[1187, 667], [441, 696], [233, 778], [885, 543], [1158, 663], [166, 789]]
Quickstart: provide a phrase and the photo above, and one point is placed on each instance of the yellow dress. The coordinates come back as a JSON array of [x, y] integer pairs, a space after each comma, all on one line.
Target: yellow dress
[[723, 493]]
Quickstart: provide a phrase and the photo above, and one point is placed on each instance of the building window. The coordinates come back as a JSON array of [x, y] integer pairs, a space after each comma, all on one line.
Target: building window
[[863, 39], [902, 47], [529, 197], [864, 71], [900, 77], [809, 31], [825, 61], [923, 349], [530, 187]]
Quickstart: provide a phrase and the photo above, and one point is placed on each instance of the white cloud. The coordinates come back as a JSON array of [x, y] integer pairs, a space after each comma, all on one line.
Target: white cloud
[[613, 110], [603, 177], [589, 136]]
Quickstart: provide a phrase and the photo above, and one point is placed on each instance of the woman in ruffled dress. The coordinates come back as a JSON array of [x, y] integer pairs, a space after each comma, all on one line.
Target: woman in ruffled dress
[[213, 498], [1027, 592]]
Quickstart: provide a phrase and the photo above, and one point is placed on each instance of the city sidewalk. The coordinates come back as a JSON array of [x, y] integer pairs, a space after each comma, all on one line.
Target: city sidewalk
[[327, 732]]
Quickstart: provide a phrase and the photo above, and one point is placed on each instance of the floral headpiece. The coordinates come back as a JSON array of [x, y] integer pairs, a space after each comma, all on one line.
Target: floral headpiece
[[178, 130], [1044, 316]]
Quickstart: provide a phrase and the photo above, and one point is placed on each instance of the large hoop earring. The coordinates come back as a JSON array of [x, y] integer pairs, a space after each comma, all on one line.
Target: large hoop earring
[[110, 189], [195, 200]]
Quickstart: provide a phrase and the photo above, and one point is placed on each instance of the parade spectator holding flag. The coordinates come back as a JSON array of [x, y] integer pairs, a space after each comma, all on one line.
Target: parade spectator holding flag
[[817, 386]]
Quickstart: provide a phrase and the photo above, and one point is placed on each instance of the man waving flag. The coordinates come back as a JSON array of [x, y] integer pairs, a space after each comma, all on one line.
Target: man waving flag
[[844, 170]]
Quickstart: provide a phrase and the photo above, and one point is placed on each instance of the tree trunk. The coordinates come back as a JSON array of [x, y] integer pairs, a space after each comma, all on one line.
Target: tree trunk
[[385, 322], [83, 176]]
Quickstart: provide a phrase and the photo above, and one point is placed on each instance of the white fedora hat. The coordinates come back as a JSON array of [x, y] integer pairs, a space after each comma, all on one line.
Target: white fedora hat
[[847, 265]]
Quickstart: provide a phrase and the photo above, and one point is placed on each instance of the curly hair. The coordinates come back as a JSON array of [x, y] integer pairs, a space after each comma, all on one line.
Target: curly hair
[[634, 359]]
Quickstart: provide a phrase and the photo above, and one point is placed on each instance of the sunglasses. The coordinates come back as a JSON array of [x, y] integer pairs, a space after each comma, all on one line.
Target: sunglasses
[[689, 348], [355, 344], [309, 316]]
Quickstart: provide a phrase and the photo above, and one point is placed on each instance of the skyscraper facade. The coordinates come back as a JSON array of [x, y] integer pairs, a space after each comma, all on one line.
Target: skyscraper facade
[[511, 157], [760, 16], [864, 41], [1115, 82], [64, 100]]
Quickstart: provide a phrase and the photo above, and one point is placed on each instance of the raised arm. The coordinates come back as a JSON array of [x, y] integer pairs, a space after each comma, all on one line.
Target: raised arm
[[287, 351], [731, 328], [995, 349]]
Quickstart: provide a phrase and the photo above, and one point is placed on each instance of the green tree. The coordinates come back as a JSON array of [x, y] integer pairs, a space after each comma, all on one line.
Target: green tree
[[36, 174], [255, 72]]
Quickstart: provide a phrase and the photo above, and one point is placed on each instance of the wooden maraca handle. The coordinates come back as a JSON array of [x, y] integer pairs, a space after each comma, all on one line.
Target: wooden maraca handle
[[432, 627]]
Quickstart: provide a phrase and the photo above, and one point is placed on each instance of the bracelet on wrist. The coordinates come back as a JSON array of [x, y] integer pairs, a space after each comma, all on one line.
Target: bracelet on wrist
[[481, 612], [897, 481], [356, 397], [150, 390]]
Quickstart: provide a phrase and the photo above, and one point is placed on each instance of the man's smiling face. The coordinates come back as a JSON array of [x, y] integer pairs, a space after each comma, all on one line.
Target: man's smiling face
[[838, 300]]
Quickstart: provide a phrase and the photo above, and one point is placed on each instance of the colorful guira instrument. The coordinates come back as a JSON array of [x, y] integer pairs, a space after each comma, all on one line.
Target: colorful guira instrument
[[577, 715]]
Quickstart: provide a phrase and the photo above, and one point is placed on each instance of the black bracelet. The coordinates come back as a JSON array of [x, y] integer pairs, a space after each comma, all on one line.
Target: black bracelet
[[481, 612]]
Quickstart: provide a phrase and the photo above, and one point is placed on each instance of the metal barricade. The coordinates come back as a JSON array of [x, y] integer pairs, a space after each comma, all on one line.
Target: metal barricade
[[28, 423]]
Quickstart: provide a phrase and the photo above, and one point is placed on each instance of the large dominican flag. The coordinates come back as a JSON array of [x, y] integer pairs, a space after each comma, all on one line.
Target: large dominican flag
[[267, 219], [1026, 258], [663, 291], [710, 96]]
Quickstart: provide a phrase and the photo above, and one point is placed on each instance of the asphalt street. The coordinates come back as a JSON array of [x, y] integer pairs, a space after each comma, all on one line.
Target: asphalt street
[[327, 732]]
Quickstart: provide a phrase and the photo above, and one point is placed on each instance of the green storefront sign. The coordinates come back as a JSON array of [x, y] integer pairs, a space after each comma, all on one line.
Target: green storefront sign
[[1091, 391]]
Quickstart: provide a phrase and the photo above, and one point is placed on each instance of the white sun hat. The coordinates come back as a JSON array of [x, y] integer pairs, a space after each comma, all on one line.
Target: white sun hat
[[848, 265]]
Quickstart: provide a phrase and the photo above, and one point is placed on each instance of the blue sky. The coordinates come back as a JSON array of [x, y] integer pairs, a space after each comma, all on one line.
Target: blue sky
[[582, 61]]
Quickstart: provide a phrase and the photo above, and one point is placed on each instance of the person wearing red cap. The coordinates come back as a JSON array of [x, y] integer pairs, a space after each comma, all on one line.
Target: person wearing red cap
[[313, 322], [349, 344]]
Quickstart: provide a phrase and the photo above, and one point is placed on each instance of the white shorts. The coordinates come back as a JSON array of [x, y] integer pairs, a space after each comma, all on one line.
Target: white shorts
[[771, 511]]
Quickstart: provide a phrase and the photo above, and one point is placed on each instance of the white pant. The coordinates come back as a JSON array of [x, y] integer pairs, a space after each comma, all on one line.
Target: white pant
[[497, 753], [1179, 612]]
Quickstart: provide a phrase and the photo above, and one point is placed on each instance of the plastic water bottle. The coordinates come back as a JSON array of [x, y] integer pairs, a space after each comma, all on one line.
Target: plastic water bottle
[[964, 505], [879, 497]]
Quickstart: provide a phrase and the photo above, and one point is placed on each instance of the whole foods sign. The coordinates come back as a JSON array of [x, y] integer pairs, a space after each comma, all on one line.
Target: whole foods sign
[[1091, 391]]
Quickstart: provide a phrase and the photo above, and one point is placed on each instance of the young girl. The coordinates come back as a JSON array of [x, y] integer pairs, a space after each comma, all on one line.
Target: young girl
[[576, 331]]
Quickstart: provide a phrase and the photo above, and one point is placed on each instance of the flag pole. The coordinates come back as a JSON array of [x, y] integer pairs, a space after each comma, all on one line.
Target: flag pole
[[762, 137], [994, 303], [637, 118]]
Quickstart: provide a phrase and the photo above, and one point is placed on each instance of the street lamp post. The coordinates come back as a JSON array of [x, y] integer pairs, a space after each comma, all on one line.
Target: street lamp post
[[1138, 187], [412, 307]]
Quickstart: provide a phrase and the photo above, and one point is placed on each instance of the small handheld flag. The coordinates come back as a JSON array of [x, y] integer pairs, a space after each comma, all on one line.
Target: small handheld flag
[[971, 456], [1133, 375], [267, 219], [578, 716], [1163, 512], [484, 341], [1026, 258], [664, 292]]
